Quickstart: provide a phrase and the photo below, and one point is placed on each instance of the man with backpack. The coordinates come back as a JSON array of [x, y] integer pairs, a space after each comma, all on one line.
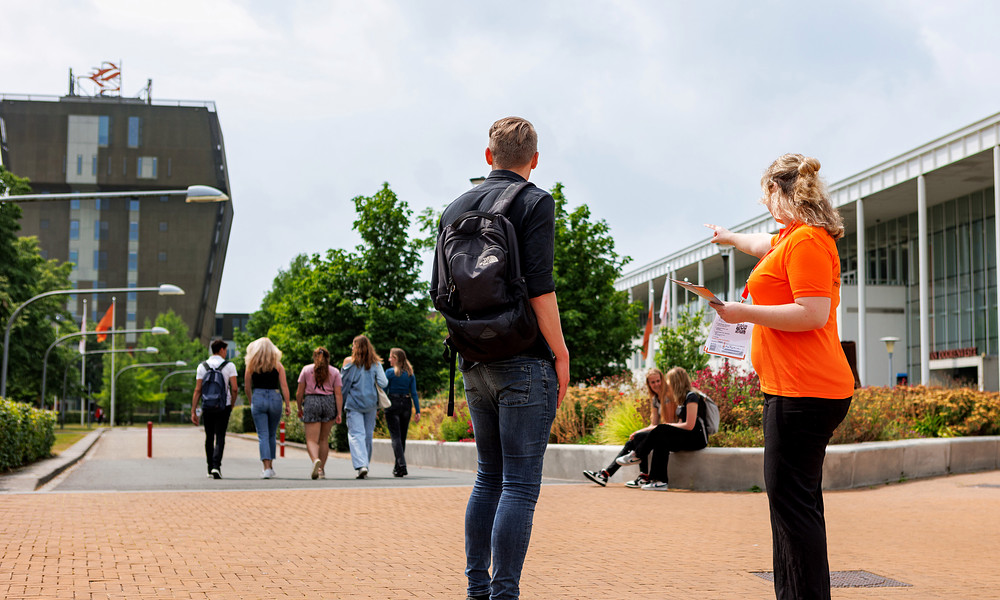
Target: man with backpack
[[492, 281], [216, 389]]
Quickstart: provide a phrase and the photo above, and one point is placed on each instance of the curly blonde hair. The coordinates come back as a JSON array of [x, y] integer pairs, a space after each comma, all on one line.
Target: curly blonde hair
[[262, 356], [794, 193]]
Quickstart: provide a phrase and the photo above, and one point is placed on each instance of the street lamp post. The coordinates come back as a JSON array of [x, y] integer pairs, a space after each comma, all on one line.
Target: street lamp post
[[45, 359], [196, 194], [890, 345], [147, 350], [162, 381], [176, 363], [166, 289]]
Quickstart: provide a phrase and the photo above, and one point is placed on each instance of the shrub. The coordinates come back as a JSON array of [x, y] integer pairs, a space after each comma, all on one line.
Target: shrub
[[620, 420], [26, 434], [580, 412], [460, 427]]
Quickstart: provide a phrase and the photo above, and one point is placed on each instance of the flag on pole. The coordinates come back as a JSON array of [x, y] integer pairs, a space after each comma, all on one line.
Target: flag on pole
[[105, 323], [665, 302], [648, 334]]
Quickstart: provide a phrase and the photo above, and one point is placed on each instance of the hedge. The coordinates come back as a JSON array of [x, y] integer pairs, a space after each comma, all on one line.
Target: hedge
[[26, 434]]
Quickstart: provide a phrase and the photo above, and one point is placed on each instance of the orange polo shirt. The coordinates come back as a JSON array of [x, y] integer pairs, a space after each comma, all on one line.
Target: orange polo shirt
[[802, 263]]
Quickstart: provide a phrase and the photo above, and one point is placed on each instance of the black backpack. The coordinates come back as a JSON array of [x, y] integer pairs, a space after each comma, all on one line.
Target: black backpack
[[480, 290], [214, 388]]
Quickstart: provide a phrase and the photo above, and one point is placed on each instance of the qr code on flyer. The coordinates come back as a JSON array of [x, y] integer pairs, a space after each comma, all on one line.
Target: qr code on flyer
[[741, 328]]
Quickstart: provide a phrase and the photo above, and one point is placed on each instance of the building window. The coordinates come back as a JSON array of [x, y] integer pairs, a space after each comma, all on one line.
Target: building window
[[102, 203], [124, 166], [132, 295], [146, 167], [43, 224], [109, 165], [103, 131], [163, 225], [133, 205], [93, 165], [134, 132], [130, 317], [79, 164], [133, 261], [100, 260], [162, 256], [100, 230], [74, 228], [170, 169], [133, 231], [74, 257], [74, 204]]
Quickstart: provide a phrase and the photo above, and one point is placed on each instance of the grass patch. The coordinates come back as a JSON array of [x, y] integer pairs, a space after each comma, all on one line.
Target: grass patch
[[67, 436]]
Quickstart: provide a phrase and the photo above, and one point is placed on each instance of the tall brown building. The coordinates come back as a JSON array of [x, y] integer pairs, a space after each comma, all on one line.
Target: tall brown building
[[113, 144]]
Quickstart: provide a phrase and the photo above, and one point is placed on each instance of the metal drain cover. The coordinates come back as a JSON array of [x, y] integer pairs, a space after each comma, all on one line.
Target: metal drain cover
[[849, 579]]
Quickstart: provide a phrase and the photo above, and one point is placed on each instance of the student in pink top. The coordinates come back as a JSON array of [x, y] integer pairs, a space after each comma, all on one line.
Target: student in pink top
[[320, 406]]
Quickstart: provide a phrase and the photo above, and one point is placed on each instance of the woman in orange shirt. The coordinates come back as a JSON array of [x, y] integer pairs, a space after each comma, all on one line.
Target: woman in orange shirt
[[795, 349]]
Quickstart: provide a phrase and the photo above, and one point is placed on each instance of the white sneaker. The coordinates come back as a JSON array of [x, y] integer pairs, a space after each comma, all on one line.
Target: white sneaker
[[265, 474], [316, 468], [656, 486], [628, 459], [270, 473]]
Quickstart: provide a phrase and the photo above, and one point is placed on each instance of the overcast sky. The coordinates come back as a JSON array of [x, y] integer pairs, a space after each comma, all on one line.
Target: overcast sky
[[659, 115]]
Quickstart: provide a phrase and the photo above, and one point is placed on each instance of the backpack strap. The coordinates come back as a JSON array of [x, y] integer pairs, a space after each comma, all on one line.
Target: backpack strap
[[451, 377], [501, 204]]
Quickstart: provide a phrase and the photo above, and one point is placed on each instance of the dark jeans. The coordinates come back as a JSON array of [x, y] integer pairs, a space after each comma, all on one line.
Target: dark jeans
[[215, 422], [512, 403], [397, 420], [628, 447], [796, 432], [663, 440]]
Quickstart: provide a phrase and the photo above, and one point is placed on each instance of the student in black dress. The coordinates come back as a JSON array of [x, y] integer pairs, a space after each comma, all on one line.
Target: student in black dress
[[686, 433]]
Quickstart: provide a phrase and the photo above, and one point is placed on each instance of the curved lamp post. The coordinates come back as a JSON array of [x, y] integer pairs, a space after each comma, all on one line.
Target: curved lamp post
[[45, 359], [194, 194], [162, 381], [166, 289], [176, 363]]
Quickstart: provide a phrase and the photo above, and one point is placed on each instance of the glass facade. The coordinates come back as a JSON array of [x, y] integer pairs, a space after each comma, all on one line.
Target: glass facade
[[134, 132]]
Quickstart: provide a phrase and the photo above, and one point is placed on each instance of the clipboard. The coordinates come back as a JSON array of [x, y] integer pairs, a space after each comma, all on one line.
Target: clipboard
[[698, 290]]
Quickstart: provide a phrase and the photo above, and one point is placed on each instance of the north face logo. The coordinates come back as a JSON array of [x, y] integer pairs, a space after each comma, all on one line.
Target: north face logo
[[486, 261]]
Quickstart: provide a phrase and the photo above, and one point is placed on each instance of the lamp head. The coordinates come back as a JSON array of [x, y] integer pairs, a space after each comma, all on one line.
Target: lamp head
[[204, 193], [169, 289], [180, 363], [160, 331], [151, 350], [890, 343]]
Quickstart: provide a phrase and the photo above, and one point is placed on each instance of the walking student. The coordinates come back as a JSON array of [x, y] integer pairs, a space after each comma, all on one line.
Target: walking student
[[402, 392], [512, 396], [320, 406], [362, 372], [216, 388], [806, 379], [266, 386]]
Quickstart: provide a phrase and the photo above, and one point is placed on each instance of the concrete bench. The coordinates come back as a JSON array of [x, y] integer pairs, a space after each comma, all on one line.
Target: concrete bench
[[740, 469]]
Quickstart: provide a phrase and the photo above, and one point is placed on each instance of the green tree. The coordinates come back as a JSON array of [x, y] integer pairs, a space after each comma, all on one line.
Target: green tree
[[327, 300], [680, 346], [599, 323], [23, 274], [177, 345]]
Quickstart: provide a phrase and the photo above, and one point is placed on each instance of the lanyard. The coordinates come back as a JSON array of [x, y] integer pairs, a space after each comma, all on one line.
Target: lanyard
[[781, 235]]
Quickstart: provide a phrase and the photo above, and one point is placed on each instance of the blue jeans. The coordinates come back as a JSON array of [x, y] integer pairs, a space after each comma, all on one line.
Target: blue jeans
[[360, 430], [266, 411], [512, 404]]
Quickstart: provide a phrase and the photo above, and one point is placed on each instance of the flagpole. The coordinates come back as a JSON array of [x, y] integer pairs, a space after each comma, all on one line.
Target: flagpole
[[83, 358], [112, 362]]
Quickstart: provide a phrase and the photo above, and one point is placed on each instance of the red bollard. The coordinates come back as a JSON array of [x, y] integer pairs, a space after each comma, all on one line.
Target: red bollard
[[281, 435], [149, 439]]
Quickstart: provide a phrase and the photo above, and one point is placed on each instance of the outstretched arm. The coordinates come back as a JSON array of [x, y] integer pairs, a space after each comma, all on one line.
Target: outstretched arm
[[754, 244]]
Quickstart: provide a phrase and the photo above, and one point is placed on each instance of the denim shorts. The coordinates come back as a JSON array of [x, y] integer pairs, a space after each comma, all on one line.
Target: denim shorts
[[319, 409]]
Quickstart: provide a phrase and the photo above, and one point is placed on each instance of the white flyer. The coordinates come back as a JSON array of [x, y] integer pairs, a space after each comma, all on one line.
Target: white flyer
[[729, 339]]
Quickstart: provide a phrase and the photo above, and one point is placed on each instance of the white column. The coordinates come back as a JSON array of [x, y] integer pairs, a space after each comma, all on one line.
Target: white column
[[673, 300], [862, 277], [650, 363], [924, 282], [732, 274], [702, 304], [996, 224]]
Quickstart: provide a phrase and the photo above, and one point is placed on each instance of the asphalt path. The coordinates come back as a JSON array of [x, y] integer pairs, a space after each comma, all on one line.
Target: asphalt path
[[119, 462]]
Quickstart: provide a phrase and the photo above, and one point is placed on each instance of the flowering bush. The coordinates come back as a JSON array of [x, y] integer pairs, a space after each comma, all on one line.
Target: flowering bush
[[580, 412]]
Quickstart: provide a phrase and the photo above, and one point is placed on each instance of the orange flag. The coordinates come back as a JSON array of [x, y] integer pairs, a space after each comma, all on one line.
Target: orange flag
[[648, 334], [105, 323]]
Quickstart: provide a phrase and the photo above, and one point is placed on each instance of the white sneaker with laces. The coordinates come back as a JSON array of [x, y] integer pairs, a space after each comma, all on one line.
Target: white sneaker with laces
[[656, 486], [628, 459]]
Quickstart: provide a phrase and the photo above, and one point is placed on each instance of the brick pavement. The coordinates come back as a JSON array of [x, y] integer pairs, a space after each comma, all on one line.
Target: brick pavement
[[938, 535]]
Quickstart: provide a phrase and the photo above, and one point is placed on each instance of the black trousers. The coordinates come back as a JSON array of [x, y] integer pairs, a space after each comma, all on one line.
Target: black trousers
[[628, 447], [796, 432], [663, 440], [397, 420], [216, 422]]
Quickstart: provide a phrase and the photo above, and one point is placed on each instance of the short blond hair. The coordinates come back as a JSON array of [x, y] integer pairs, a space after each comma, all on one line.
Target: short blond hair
[[803, 197], [513, 142]]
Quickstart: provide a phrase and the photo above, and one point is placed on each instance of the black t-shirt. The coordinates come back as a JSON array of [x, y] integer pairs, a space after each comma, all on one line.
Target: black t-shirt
[[682, 410], [532, 214]]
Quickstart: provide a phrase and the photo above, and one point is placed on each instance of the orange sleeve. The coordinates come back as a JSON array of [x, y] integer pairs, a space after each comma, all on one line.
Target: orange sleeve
[[810, 270]]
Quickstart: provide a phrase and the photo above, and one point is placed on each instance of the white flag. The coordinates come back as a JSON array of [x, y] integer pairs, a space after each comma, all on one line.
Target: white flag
[[665, 304], [83, 329]]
